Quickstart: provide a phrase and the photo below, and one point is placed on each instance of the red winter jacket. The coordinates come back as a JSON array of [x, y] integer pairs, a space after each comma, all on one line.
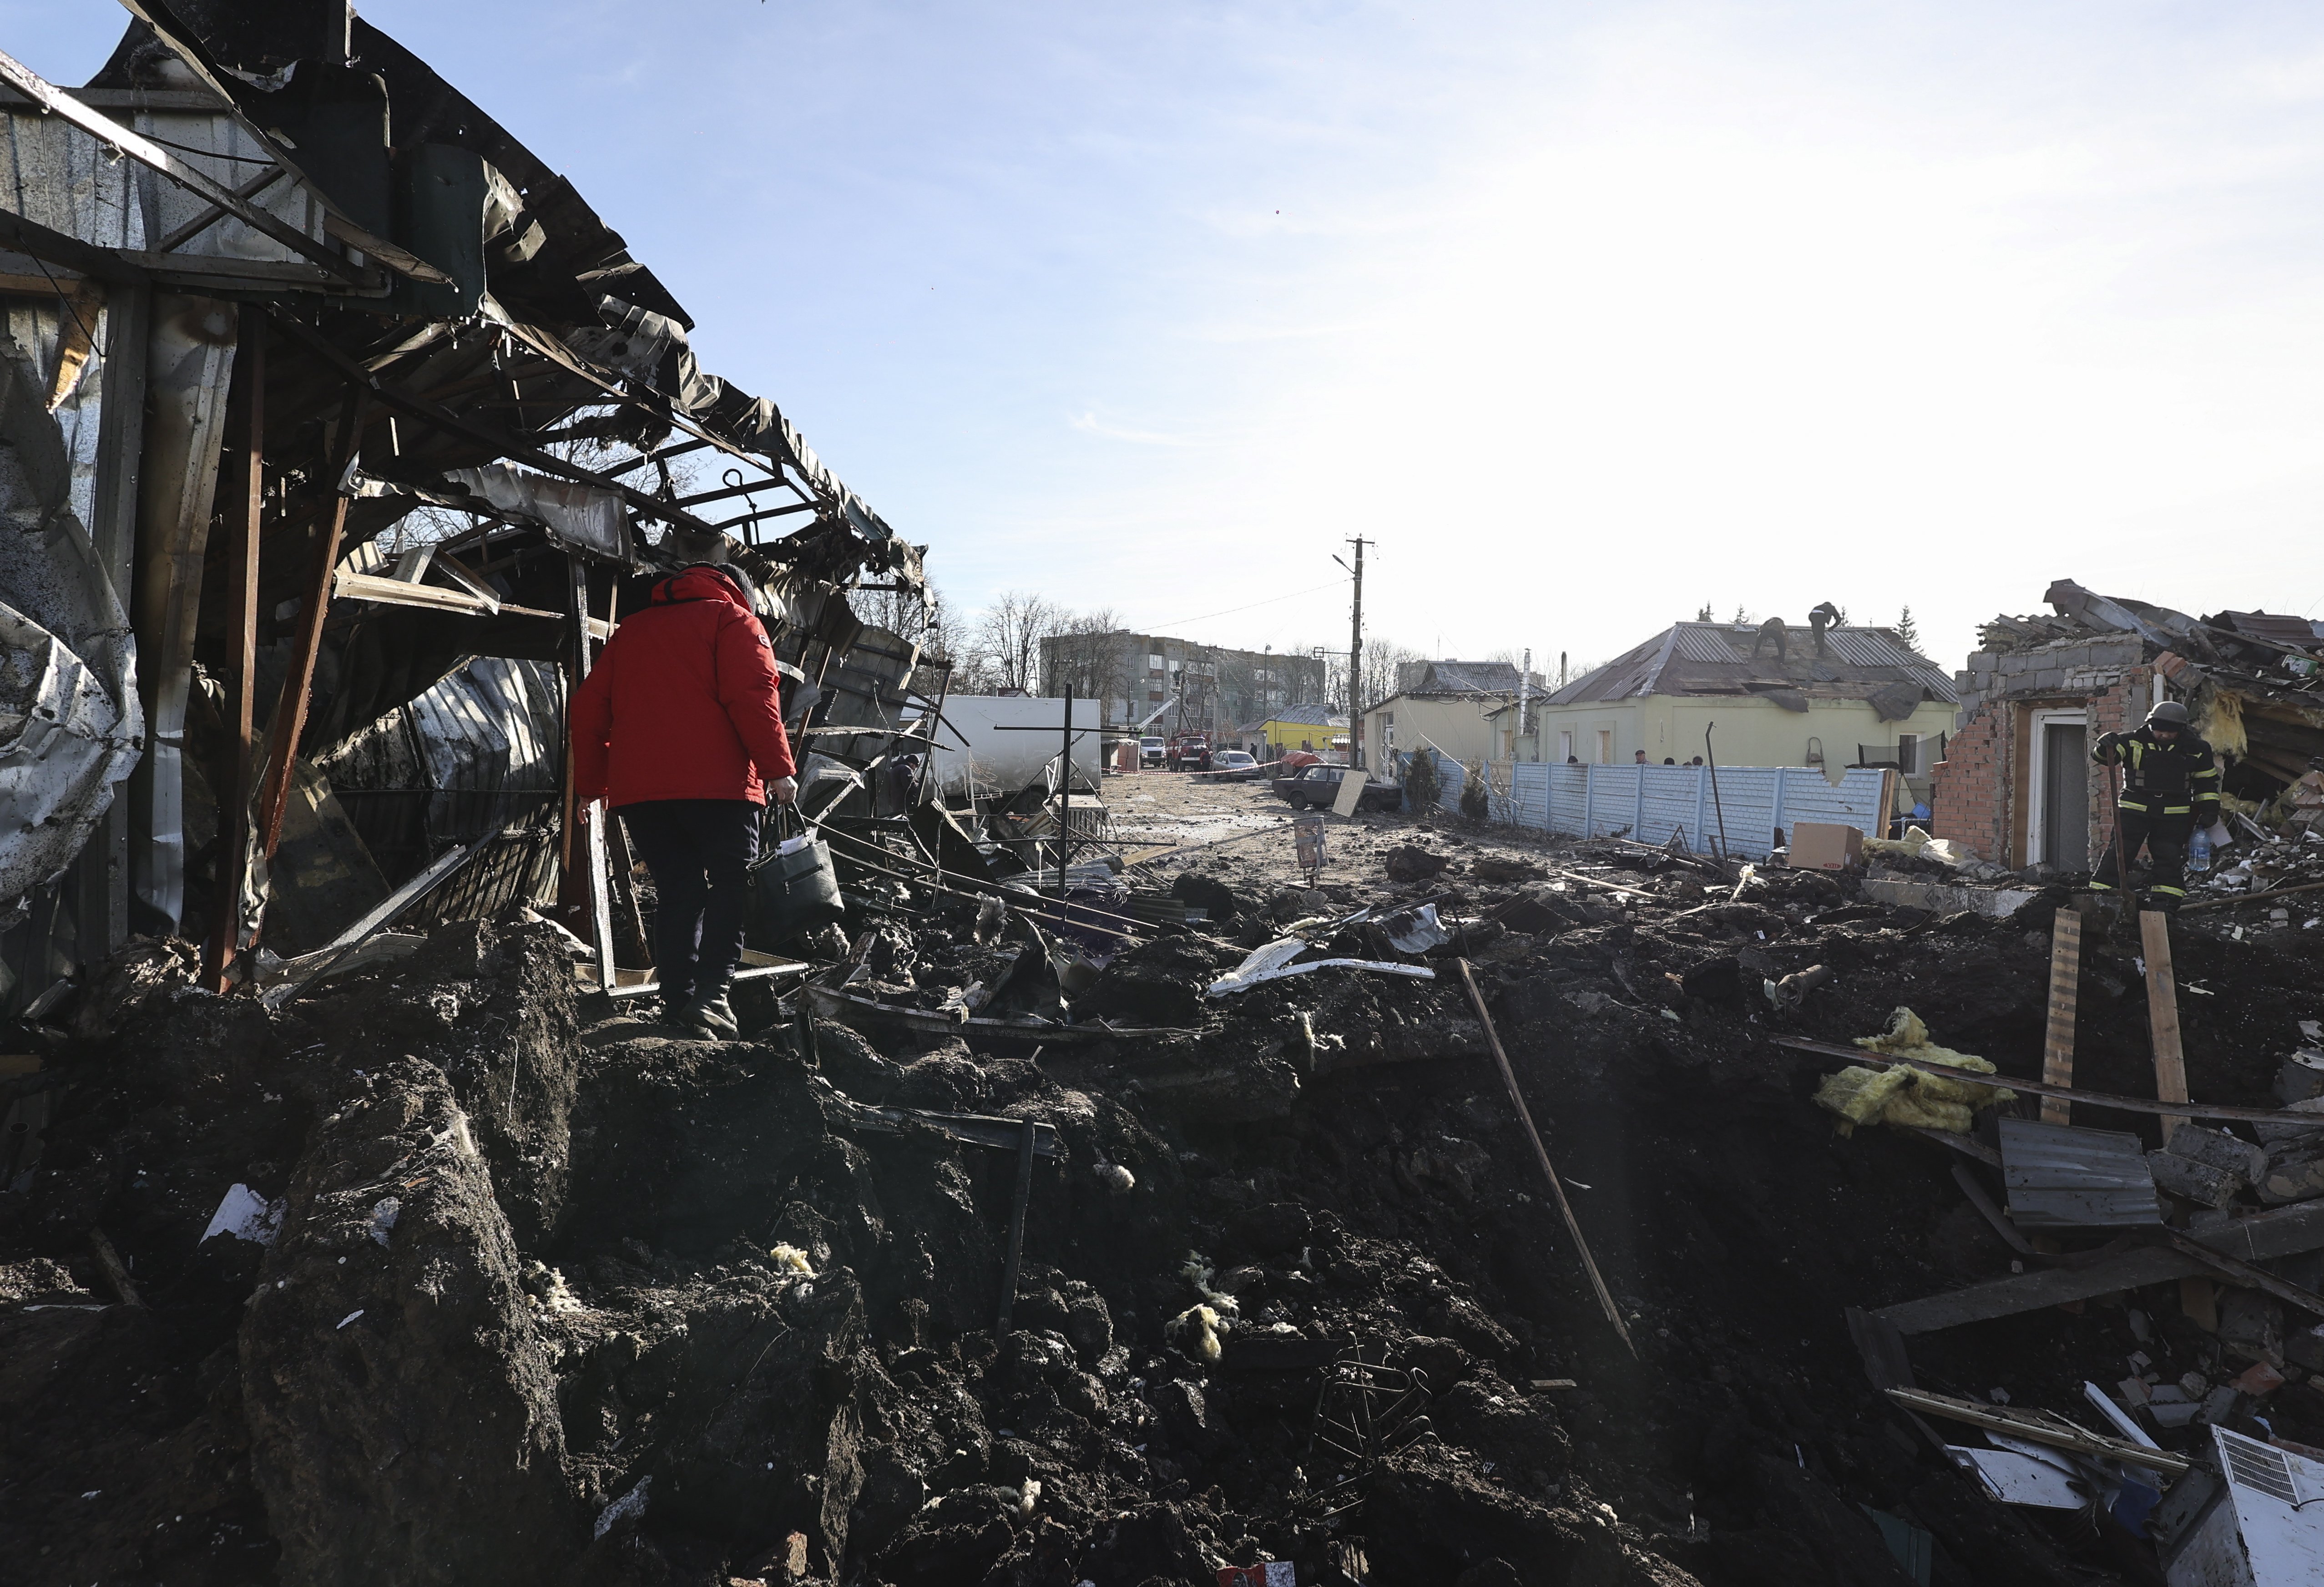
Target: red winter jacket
[[683, 704]]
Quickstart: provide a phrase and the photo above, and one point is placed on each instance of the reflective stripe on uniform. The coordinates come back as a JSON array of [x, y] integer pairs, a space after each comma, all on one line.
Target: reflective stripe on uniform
[[2176, 892]]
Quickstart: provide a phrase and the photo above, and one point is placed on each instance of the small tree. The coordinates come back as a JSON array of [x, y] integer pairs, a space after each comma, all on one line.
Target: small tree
[[1703, 615], [1475, 804], [1907, 631], [1420, 785]]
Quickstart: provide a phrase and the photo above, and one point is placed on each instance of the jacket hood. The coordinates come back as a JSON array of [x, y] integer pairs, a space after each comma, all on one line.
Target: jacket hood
[[698, 584]]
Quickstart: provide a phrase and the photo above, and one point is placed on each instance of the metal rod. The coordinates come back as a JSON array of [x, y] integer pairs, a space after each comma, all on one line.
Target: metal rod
[[211, 215], [412, 404], [381, 916], [147, 153], [1065, 797], [1710, 759], [1540, 1153], [249, 400], [1024, 1195]]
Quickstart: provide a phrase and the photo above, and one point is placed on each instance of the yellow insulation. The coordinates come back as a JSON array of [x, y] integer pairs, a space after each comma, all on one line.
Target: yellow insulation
[[2221, 723], [1909, 1096]]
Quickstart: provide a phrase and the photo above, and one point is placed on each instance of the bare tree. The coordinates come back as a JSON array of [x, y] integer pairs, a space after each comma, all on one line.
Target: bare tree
[[1382, 657], [1084, 652], [1008, 634]]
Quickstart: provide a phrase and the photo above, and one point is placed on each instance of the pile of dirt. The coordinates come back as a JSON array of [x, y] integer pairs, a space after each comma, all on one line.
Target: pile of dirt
[[553, 1295]]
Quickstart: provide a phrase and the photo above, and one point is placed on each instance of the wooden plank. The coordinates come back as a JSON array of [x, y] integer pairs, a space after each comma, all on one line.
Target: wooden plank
[[2095, 1098], [396, 591], [2284, 1232], [2040, 1427], [249, 399], [2163, 1013], [2065, 984]]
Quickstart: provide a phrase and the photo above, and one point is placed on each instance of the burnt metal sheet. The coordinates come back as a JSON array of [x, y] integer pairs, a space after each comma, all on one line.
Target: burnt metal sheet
[[2064, 1177]]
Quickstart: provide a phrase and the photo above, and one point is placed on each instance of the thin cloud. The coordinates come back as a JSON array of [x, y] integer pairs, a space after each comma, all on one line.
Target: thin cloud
[[1090, 424]]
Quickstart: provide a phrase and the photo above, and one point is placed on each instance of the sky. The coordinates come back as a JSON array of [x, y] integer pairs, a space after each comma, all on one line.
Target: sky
[[1585, 314]]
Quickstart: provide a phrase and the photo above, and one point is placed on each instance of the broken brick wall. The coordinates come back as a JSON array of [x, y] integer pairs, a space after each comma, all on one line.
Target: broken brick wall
[[1983, 788]]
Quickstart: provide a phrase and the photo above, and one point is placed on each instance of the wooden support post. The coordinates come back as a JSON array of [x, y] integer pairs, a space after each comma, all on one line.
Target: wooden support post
[[2163, 1013], [249, 400], [1541, 1154], [2065, 985], [590, 852], [290, 707]]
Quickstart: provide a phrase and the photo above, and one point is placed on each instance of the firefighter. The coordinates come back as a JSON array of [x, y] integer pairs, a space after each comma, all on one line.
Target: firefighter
[[2170, 789], [679, 729]]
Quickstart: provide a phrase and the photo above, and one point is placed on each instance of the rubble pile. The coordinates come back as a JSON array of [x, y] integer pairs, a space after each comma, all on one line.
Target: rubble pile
[[448, 1274]]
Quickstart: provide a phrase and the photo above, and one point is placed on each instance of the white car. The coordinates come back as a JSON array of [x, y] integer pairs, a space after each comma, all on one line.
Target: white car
[[1151, 751], [1234, 766]]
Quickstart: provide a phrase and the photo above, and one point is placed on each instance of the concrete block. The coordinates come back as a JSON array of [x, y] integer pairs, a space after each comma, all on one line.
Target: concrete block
[[2303, 1121], [2216, 1148], [2251, 1325], [2295, 1172], [2189, 1180]]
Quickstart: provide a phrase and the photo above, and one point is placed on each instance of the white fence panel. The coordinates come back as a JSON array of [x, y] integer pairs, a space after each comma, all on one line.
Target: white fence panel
[[1529, 795], [1648, 804]]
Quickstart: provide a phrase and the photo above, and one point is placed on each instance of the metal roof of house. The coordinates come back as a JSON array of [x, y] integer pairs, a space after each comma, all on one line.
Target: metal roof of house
[[1303, 715], [1716, 659]]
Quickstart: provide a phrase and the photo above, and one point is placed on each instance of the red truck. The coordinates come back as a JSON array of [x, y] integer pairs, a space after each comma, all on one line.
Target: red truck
[[1188, 751]]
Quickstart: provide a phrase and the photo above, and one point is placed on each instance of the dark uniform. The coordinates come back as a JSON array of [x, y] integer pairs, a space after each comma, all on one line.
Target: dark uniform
[[2171, 788]]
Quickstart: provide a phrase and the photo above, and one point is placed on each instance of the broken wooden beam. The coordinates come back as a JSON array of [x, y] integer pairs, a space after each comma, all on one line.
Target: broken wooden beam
[[248, 398], [2065, 986], [2040, 1427], [2285, 1232]]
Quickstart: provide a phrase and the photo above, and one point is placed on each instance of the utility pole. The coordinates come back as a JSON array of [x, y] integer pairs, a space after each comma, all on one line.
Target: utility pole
[[1356, 664]]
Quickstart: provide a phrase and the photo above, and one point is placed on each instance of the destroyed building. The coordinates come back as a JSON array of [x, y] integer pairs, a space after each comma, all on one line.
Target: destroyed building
[[2016, 786], [273, 286], [1468, 1207]]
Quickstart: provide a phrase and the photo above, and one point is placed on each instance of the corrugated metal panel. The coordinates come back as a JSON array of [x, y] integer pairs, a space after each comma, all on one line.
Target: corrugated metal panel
[[2061, 1176], [1702, 643]]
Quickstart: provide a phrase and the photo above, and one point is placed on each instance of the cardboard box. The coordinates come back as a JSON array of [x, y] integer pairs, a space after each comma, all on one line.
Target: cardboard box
[[1825, 845]]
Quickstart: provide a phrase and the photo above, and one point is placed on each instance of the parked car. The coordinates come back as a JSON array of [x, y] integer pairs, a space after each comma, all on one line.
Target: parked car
[[1234, 766], [1150, 751], [1319, 786]]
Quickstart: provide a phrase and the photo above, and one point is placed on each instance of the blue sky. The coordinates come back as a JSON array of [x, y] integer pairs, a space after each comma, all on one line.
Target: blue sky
[[1587, 314]]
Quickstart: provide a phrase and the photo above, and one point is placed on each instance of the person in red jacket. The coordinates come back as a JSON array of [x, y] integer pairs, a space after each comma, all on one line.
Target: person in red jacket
[[679, 729]]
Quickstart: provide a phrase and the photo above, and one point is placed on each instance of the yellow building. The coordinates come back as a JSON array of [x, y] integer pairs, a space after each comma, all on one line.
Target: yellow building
[[1865, 700], [1312, 728]]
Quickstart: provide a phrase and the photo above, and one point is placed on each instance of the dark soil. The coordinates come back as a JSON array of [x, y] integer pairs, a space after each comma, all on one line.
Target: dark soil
[[642, 1308]]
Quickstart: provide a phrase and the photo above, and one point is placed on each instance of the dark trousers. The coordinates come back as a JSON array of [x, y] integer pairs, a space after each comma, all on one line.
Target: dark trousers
[[700, 852], [2165, 839]]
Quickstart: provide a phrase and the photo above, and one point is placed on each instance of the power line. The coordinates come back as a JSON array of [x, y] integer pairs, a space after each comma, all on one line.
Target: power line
[[1230, 611]]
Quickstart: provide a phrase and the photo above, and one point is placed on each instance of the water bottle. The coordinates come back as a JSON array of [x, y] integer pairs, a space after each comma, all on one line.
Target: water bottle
[[2199, 850]]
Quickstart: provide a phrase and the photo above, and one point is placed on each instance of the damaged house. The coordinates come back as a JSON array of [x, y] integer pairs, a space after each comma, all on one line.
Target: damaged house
[[1853, 696], [337, 429], [2017, 787]]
